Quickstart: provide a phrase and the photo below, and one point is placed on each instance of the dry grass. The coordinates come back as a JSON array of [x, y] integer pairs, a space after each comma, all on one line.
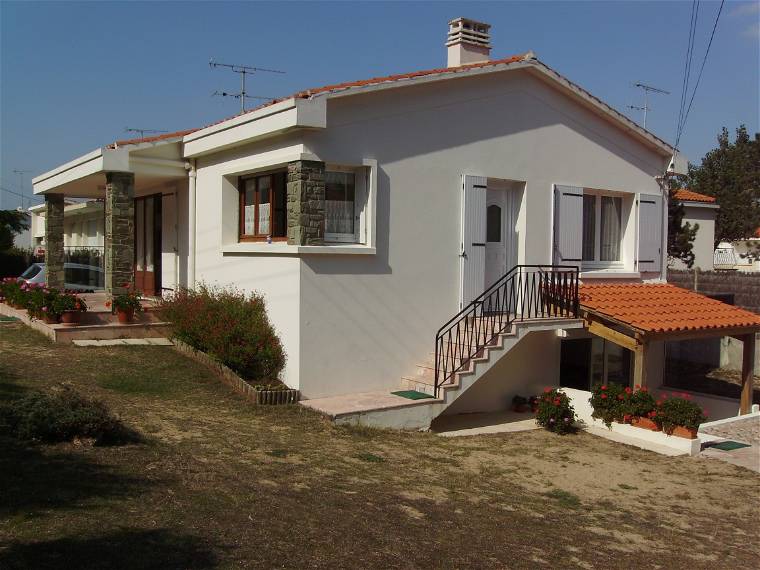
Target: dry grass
[[220, 483]]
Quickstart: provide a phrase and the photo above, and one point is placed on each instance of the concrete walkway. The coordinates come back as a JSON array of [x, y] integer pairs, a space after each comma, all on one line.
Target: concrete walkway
[[742, 430], [457, 425], [160, 341]]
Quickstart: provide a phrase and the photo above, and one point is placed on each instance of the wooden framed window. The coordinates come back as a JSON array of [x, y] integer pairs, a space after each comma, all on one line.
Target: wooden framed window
[[263, 207]]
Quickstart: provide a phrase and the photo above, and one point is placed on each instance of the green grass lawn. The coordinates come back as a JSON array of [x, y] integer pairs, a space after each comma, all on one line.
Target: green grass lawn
[[220, 483]]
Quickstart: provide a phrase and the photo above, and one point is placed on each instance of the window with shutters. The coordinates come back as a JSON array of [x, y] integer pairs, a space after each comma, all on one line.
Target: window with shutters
[[603, 229]]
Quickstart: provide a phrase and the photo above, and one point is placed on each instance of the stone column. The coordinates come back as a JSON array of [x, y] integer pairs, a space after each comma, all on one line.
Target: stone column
[[54, 252], [306, 202], [120, 232]]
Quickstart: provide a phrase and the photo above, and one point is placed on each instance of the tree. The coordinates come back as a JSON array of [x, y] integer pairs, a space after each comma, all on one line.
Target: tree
[[731, 173], [11, 223], [680, 234]]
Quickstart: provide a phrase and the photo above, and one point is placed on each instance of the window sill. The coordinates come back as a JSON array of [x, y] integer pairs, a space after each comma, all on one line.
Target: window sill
[[609, 274], [257, 248]]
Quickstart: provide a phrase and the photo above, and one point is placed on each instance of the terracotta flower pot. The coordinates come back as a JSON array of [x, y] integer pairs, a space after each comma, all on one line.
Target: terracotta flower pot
[[71, 318], [627, 419], [52, 319], [645, 423], [686, 433], [125, 315]]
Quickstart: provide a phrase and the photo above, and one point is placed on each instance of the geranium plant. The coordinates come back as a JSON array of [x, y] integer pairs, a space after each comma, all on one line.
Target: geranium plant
[[555, 412], [678, 411], [129, 301], [608, 403]]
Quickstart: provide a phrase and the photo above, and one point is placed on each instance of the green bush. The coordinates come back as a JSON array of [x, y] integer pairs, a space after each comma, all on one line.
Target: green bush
[[607, 402], [555, 412], [230, 326], [14, 261], [62, 416]]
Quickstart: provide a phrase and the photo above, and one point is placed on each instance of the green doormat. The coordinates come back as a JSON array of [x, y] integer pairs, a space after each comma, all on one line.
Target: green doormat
[[729, 445], [412, 394]]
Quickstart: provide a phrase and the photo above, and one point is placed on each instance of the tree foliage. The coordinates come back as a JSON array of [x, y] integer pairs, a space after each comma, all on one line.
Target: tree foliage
[[731, 173], [680, 234], [11, 223]]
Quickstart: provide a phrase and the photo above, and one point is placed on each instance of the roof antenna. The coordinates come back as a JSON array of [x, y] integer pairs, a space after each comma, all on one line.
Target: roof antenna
[[143, 131], [243, 70], [647, 89]]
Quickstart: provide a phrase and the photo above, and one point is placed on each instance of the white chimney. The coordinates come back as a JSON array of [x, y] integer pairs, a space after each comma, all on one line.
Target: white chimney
[[468, 42]]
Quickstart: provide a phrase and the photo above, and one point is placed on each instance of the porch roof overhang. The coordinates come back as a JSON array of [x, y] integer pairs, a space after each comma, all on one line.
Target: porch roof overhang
[[84, 177], [635, 313]]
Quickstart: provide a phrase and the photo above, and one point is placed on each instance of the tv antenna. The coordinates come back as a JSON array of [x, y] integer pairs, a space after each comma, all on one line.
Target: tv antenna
[[647, 90], [20, 183], [243, 70], [143, 131]]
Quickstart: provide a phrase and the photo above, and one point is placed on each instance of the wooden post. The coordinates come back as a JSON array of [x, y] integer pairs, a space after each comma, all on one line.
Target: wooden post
[[748, 371], [640, 365]]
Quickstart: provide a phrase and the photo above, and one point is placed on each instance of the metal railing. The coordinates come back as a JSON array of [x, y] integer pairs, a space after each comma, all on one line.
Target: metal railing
[[525, 292]]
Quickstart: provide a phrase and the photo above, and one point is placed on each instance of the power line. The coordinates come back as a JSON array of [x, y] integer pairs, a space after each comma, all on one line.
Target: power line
[[30, 198], [701, 69], [687, 64]]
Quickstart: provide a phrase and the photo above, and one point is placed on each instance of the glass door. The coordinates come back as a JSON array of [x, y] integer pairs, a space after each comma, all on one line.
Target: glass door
[[148, 245]]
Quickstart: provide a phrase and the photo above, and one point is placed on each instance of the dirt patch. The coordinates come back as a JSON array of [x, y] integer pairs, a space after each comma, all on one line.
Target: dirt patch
[[234, 485]]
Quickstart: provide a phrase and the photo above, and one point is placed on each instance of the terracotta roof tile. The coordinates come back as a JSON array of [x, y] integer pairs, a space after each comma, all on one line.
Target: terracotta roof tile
[[686, 195], [661, 307], [152, 139]]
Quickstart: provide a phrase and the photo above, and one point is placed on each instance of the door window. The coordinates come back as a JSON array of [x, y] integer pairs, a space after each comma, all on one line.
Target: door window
[[493, 223]]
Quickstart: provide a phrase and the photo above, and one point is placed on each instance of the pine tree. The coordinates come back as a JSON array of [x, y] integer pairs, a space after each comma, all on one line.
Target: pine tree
[[731, 173]]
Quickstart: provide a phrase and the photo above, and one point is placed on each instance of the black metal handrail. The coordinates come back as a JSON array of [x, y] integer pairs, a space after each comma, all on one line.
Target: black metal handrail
[[524, 292]]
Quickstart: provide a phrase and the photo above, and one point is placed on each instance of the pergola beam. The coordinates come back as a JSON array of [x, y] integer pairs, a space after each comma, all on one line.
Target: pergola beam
[[748, 372]]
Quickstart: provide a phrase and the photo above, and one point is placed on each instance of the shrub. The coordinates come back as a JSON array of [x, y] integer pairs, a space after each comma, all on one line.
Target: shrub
[[129, 301], [639, 404], [230, 326], [555, 412], [62, 416], [14, 261], [677, 411]]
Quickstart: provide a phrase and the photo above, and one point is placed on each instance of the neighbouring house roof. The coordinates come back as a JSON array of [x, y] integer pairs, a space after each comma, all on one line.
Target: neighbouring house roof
[[527, 58], [663, 308], [686, 195]]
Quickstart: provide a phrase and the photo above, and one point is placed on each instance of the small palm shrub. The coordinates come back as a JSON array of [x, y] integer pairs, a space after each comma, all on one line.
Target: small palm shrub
[[62, 416], [555, 412], [230, 326]]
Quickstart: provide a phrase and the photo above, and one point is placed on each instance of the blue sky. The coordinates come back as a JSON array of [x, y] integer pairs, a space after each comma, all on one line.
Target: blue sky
[[74, 75]]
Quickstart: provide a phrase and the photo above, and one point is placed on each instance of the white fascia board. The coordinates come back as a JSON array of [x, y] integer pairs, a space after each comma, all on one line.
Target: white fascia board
[[267, 160], [690, 204], [271, 120], [100, 160]]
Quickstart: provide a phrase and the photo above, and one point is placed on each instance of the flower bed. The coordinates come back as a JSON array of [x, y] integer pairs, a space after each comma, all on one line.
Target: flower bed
[[41, 302], [674, 414]]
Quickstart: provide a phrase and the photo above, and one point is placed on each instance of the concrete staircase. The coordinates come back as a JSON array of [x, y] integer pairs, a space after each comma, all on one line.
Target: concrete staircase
[[383, 409]]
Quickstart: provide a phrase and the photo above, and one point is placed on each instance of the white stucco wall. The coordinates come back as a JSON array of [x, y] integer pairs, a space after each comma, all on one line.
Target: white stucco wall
[[704, 244], [353, 323]]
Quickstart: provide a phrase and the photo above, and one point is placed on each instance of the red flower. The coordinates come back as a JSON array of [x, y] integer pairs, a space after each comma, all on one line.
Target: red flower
[[108, 303], [604, 396], [557, 402], [659, 402], [644, 389], [547, 390], [627, 390], [653, 414], [638, 386], [604, 387]]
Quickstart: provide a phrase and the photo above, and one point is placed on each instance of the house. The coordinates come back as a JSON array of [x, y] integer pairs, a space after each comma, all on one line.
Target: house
[[424, 230], [83, 225], [699, 210]]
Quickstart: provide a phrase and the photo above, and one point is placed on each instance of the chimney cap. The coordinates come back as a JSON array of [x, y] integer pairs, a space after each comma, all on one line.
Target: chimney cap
[[468, 41]]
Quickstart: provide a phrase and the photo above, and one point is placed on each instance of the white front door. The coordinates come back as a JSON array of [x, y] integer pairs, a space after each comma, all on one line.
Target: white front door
[[499, 234], [472, 254]]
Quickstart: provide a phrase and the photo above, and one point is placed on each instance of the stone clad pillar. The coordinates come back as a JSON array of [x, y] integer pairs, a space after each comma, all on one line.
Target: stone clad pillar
[[120, 232], [306, 202], [54, 253]]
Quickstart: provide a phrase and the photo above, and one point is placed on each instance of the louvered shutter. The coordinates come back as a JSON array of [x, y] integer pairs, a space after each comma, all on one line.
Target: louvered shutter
[[650, 232], [473, 245], [568, 225]]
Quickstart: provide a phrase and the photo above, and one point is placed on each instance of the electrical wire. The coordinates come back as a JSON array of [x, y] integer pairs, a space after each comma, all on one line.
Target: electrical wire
[[701, 69], [687, 64]]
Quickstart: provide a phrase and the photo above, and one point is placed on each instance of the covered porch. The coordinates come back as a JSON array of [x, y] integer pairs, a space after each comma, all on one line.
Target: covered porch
[[144, 185], [640, 317]]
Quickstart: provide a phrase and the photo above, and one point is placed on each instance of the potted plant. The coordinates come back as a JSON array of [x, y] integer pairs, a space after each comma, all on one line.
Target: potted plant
[[42, 305], [126, 304], [70, 307], [639, 404], [608, 403], [680, 417], [519, 404], [533, 402]]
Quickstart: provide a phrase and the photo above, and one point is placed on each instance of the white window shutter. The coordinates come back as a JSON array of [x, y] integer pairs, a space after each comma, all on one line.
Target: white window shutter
[[473, 245], [568, 225], [650, 232]]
